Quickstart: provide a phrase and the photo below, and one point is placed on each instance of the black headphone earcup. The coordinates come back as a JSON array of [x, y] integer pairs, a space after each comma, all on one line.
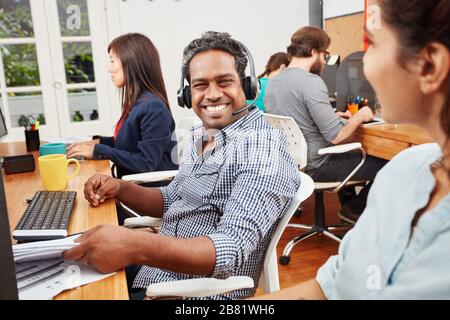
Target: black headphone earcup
[[187, 97], [249, 88]]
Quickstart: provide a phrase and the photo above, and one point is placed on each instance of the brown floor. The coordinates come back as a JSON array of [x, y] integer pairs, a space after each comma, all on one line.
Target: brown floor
[[310, 254]]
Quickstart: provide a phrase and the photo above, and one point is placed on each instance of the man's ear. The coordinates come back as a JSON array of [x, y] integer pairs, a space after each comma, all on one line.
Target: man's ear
[[314, 53], [434, 66], [282, 67]]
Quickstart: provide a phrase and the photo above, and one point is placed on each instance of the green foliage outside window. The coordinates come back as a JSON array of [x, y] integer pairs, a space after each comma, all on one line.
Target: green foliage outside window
[[20, 61]]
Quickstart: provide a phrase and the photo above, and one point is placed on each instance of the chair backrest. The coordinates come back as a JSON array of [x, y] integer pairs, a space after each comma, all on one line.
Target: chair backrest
[[296, 141], [269, 276]]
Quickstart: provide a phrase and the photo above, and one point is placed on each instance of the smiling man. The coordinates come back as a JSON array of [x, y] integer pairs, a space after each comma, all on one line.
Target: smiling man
[[235, 180], [216, 91]]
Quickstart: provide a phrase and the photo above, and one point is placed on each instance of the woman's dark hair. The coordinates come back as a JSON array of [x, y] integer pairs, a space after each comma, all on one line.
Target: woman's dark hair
[[417, 23], [141, 69], [304, 40], [275, 62]]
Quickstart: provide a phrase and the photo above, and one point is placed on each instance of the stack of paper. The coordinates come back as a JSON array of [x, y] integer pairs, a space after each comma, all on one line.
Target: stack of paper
[[41, 250], [74, 275], [48, 286]]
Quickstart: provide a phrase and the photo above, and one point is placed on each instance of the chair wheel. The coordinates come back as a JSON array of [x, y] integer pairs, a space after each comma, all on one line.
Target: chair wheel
[[298, 213], [284, 260]]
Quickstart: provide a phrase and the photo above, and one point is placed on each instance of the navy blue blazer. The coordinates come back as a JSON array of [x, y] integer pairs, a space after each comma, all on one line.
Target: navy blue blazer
[[144, 142]]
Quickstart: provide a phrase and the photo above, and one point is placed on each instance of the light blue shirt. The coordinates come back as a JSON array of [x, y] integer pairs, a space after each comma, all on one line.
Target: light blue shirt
[[382, 257], [260, 101]]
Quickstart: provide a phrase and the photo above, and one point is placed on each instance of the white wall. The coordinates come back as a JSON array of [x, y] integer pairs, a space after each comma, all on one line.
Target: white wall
[[335, 8], [265, 26]]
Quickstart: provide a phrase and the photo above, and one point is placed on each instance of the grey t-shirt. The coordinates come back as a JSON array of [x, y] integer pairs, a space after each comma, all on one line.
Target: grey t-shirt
[[304, 97]]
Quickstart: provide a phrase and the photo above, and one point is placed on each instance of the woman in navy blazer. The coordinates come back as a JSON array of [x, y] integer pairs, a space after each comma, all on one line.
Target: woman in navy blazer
[[144, 137]]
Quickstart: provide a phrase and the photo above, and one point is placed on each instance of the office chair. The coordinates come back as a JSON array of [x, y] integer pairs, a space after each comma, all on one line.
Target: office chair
[[298, 149], [203, 287], [182, 132], [142, 178]]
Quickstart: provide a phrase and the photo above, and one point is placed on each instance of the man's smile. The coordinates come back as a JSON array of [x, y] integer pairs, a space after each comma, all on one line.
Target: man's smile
[[215, 110]]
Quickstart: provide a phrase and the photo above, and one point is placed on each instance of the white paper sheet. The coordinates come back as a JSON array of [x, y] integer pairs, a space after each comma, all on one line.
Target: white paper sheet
[[75, 275], [41, 250]]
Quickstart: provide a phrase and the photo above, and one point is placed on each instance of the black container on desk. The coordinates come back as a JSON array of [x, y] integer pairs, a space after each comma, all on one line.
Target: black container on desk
[[17, 164], [32, 140]]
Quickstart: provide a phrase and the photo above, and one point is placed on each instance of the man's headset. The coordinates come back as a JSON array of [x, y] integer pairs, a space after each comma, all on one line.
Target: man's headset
[[250, 85]]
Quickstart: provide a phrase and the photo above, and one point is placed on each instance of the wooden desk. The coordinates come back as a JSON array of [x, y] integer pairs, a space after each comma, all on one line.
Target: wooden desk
[[386, 140], [19, 187]]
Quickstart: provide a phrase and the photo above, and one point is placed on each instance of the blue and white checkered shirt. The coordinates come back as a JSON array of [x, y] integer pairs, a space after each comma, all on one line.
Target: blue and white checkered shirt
[[233, 194]]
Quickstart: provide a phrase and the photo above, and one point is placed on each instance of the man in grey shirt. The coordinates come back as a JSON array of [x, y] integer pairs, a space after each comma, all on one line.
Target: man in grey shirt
[[299, 92], [303, 96]]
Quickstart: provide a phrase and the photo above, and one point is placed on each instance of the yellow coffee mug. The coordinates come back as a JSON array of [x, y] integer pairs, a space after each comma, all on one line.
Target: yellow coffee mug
[[53, 170]]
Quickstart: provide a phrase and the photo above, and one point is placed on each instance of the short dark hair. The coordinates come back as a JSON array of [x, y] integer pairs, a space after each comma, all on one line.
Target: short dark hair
[[212, 40], [304, 40]]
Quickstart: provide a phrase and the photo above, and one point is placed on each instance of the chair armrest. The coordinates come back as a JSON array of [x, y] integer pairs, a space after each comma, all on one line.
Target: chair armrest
[[342, 148], [154, 176], [142, 222], [201, 287], [127, 209]]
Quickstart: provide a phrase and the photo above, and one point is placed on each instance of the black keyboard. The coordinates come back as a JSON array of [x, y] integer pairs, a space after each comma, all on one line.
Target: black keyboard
[[47, 216]]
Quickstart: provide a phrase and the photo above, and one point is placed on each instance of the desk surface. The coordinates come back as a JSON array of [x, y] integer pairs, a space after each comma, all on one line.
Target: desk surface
[[19, 187], [386, 140]]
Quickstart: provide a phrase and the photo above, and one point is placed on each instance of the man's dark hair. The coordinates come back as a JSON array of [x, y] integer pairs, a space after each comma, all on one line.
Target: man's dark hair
[[304, 40], [212, 40]]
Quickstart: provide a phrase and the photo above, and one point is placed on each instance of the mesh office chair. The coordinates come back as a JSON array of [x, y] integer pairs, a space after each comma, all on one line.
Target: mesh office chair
[[203, 287], [298, 149], [182, 132]]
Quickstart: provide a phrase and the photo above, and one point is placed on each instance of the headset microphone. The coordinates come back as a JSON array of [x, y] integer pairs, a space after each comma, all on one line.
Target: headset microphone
[[248, 106]]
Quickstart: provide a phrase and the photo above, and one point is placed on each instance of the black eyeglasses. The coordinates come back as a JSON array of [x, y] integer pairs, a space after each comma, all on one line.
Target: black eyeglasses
[[327, 56]]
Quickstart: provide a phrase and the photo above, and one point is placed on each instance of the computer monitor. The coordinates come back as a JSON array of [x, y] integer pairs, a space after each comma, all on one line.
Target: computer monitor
[[352, 82], [329, 77], [8, 283]]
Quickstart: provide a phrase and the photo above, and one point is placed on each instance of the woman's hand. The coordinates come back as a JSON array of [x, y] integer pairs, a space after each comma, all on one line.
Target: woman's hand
[[84, 149]]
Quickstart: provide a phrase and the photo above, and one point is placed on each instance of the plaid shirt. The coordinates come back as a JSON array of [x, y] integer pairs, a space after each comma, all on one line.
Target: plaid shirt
[[233, 194]]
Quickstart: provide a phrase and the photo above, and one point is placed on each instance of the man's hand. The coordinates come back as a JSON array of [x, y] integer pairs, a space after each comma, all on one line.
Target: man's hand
[[100, 187], [365, 113], [346, 115], [84, 149], [106, 248]]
